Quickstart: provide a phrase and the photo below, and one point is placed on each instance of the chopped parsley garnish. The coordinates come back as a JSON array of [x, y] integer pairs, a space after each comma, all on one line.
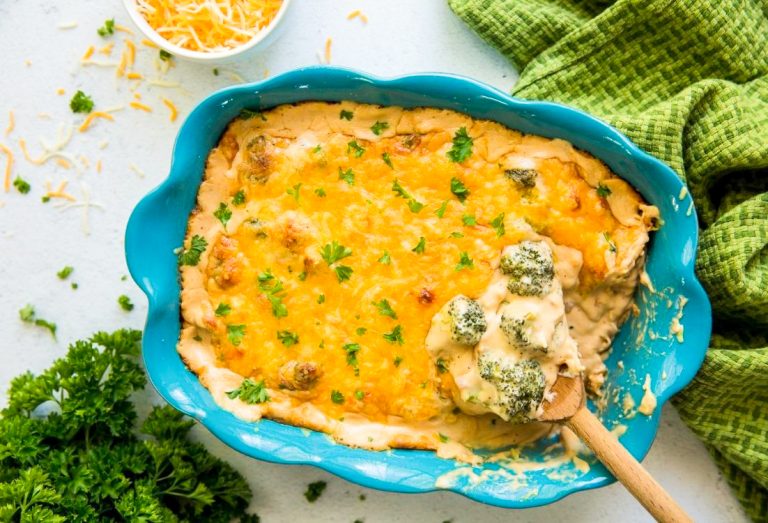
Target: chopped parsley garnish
[[334, 251], [346, 115], [441, 211], [442, 365], [239, 198], [74, 286], [320, 192], [385, 259], [294, 191], [347, 175], [359, 395], [81, 103], [456, 234], [235, 334], [21, 185], [603, 190], [498, 224], [379, 127], [419, 249], [336, 397], [395, 337], [465, 262], [360, 331], [397, 361], [164, 55], [459, 189], [385, 309], [64, 273], [27, 315], [343, 272], [388, 160], [215, 71], [462, 146], [247, 114], [355, 148], [302, 276], [351, 349], [273, 288], [443, 439], [414, 205], [125, 303], [191, 256], [223, 309], [223, 214], [250, 391], [611, 245], [107, 29], [469, 220], [288, 338], [321, 299]]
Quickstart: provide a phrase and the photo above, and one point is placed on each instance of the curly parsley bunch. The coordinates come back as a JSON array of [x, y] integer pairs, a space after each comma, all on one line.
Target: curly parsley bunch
[[68, 450]]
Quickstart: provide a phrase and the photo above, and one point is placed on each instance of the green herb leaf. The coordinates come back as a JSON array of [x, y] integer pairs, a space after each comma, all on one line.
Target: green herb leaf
[[334, 251], [351, 349], [165, 56], [223, 309], [456, 234], [387, 160], [498, 224], [107, 29], [320, 192], [442, 365], [397, 361], [247, 114], [239, 198], [465, 262], [441, 211], [81, 103], [385, 259], [223, 214], [27, 315], [603, 190], [347, 175], [343, 272], [419, 249], [359, 395], [611, 245], [125, 303], [385, 309], [250, 391], [469, 220], [321, 299], [288, 338], [294, 191], [346, 115], [279, 310], [355, 148], [414, 205], [443, 439], [379, 127], [394, 337], [64, 273], [21, 185], [360, 331], [337, 397], [235, 334], [191, 256], [459, 189], [462, 146]]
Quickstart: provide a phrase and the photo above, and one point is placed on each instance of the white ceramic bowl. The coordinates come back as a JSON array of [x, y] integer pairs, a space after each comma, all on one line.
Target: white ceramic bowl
[[259, 42]]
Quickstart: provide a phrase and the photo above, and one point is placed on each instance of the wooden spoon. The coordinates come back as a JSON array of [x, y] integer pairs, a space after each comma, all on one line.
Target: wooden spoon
[[568, 406]]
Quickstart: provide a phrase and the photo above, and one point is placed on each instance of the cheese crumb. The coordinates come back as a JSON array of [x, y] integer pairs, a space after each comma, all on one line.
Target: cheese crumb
[[648, 403]]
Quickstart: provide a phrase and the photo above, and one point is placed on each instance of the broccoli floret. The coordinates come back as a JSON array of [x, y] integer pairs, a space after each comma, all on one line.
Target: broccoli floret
[[467, 320], [523, 177], [520, 386], [518, 330], [529, 267]]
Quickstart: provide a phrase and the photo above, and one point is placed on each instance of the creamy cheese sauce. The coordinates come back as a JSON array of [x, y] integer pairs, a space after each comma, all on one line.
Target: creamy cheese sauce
[[266, 300]]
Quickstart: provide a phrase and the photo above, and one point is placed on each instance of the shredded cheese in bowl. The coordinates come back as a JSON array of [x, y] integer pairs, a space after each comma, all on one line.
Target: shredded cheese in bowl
[[207, 26]]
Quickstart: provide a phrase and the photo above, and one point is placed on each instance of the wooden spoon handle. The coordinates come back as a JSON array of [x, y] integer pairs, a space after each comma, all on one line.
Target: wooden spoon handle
[[626, 468]]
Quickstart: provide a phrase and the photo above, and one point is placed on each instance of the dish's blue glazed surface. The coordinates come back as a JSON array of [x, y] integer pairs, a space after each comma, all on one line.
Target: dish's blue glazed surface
[[644, 345]]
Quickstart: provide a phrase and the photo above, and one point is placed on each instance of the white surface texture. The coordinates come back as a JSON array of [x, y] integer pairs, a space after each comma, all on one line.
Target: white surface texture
[[36, 239]]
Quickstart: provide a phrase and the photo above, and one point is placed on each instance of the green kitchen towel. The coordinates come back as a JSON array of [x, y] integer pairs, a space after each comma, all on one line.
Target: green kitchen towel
[[687, 80]]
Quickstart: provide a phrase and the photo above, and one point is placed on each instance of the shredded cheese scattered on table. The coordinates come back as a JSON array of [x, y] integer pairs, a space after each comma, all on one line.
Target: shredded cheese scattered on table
[[124, 29], [91, 117], [88, 53], [8, 166], [204, 25], [327, 55], [107, 49], [149, 43], [174, 110], [140, 106], [357, 14], [11, 123]]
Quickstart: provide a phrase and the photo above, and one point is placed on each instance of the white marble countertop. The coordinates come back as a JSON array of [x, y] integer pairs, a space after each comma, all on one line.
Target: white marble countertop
[[36, 240]]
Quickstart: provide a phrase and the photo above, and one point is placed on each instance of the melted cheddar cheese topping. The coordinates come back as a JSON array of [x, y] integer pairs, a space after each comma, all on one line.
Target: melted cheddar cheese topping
[[335, 232]]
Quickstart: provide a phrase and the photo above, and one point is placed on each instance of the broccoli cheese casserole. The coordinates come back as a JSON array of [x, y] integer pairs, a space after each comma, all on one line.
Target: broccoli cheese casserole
[[407, 278]]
